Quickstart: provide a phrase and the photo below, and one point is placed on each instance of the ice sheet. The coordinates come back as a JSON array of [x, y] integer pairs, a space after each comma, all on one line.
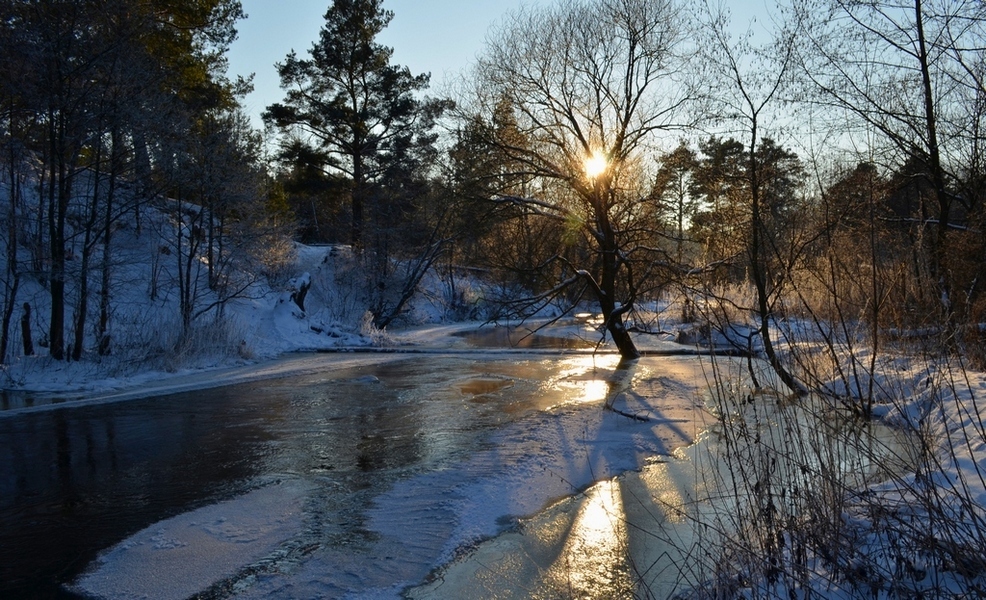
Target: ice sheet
[[180, 556]]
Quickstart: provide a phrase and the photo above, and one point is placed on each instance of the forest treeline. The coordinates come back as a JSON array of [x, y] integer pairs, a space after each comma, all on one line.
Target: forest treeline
[[826, 166], [109, 107]]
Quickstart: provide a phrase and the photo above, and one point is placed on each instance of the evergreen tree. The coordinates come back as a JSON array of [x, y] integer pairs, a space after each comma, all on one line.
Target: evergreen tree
[[719, 183], [674, 203], [358, 112], [91, 80]]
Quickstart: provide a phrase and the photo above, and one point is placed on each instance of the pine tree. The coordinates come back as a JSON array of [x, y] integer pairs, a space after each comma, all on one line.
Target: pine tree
[[360, 112]]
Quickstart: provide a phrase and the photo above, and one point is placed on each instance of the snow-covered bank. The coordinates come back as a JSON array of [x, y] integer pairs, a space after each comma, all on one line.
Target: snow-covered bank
[[152, 384], [928, 536], [149, 351], [70, 385]]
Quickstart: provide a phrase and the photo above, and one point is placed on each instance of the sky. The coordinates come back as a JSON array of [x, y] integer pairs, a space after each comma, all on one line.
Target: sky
[[441, 37]]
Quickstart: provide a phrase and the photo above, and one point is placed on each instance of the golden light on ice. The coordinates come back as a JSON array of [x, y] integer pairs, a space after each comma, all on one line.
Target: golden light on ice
[[595, 389], [593, 562], [596, 164], [666, 491], [585, 378]]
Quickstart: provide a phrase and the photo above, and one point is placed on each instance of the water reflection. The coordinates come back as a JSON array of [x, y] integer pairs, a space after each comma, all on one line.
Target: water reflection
[[74, 482], [666, 491], [578, 548], [17, 399], [593, 563], [480, 386], [585, 378], [67, 479], [655, 532], [523, 337]]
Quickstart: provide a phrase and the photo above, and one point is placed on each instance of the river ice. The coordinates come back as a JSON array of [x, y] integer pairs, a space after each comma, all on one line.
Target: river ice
[[423, 521], [177, 557]]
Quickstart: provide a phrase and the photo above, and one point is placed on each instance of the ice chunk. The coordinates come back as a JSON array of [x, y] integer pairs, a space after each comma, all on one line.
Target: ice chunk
[[180, 556]]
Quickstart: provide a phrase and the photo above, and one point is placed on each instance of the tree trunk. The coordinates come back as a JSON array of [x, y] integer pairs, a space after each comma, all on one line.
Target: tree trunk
[[142, 171], [621, 337], [359, 188], [26, 330], [57, 212], [39, 256], [188, 266], [606, 237], [82, 307], [758, 270], [13, 274], [210, 247], [940, 272], [104, 289]]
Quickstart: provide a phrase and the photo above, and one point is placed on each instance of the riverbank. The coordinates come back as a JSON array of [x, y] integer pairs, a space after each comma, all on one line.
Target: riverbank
[[47, 384], [572, 445]]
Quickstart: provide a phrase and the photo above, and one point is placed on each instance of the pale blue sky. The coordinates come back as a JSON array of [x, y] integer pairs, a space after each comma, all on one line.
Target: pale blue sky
[[437, 36]]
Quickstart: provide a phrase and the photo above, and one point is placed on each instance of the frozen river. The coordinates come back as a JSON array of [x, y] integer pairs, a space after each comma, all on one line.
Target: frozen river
[[360, 479], [357, 477]]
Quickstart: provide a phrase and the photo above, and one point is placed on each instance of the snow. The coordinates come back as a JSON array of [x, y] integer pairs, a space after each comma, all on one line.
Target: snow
[[178, 557], [429, 519]]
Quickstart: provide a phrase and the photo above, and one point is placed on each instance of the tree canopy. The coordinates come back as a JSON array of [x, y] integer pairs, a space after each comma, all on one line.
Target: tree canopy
[[359, 117], [587, 80]]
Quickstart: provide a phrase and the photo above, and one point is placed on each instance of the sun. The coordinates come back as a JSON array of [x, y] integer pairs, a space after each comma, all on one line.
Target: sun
[[596, 164]]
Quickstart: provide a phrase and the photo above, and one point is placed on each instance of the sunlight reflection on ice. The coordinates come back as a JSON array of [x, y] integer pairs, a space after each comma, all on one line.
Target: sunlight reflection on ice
[[665, 491], [593, 564], [586, 377]]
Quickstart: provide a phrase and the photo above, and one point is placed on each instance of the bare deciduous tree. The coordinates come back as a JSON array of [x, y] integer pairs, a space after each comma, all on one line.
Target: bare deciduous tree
[[590, 86], [904, 74], [750, 79]]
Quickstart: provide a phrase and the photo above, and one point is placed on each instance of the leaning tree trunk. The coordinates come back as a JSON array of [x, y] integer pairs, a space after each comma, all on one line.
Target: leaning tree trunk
[[758, 270], [606, 290]]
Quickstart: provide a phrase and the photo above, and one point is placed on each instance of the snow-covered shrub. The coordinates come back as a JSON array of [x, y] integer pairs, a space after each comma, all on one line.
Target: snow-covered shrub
[[369, 330], [276, 256], [799, 517], [206, 345]]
